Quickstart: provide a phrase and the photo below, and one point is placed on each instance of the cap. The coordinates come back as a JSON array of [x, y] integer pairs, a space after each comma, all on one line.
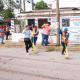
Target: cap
[[66, 29]]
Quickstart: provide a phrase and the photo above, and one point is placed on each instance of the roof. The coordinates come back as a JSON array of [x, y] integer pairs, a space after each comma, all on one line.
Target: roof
[[7, 20], [47, 10], [49, 13]]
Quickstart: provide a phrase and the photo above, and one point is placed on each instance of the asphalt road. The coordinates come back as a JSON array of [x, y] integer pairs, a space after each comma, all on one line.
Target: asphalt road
[[15, 64]]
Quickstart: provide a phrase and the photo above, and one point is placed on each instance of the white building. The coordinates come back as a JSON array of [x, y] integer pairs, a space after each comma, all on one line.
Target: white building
[[69, 18]]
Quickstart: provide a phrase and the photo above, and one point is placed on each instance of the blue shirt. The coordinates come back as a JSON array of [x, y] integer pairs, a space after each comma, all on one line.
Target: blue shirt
[[1, 30], [27, 33]]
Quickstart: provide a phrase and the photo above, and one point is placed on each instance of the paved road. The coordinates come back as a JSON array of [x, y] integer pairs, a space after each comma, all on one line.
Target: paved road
[[15, 64]]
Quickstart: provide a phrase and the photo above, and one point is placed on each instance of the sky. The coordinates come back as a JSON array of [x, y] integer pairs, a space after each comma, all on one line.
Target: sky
[[63, 3]]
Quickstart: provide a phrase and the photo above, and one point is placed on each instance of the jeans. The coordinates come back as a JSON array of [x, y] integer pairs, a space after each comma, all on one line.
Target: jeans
[[1, 40], [34, 39], [64, 47], [45, 39]]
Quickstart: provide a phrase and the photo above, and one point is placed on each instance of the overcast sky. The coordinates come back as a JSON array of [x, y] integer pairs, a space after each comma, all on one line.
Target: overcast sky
[[63, 3]]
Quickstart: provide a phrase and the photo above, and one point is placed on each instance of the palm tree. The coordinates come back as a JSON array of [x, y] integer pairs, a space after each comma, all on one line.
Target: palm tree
[[11, 4]]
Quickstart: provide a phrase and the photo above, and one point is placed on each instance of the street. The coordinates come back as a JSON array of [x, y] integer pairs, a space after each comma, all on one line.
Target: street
[[15, 64]]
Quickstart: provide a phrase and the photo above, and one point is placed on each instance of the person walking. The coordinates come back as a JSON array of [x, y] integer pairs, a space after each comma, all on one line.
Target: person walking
[[64, 40], [27, 38]]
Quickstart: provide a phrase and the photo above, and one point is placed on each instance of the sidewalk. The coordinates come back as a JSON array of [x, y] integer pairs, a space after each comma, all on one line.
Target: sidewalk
[[20, 44], [10, 44]]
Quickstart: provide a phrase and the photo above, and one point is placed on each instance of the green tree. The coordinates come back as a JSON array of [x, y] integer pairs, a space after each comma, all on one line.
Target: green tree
[[41, 5], [7, 14], [1, 5]]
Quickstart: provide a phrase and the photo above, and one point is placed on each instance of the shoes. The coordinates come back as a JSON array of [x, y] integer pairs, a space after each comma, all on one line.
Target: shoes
[[63, 54], [27, 51]]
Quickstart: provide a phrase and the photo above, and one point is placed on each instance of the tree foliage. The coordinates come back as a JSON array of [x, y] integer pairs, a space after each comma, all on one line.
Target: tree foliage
[[1, 5], [41, 5], [7, 14]]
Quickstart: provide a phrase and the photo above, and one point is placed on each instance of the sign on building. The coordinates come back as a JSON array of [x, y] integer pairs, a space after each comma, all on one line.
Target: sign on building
[[73, 25]]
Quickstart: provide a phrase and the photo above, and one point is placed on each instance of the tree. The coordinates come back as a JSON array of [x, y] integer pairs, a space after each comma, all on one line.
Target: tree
[[11, 4], [1, 5], [41, 5], [7, 14]]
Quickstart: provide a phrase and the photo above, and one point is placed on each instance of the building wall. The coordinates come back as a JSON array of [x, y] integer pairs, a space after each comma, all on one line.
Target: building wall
[[73, 25], [69, 19]]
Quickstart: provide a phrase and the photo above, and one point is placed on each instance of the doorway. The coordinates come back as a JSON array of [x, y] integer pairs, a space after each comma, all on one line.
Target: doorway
[[41, 22]]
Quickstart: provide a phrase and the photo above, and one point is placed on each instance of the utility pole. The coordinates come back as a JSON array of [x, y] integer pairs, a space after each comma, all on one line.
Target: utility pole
[[24, 4], [58, 21], [32, 4]]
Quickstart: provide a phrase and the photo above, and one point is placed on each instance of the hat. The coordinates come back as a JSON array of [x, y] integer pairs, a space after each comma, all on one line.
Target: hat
[[66, 29]]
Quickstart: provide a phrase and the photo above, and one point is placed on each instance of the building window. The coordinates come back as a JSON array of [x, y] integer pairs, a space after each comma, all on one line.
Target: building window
[[65, 22]]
